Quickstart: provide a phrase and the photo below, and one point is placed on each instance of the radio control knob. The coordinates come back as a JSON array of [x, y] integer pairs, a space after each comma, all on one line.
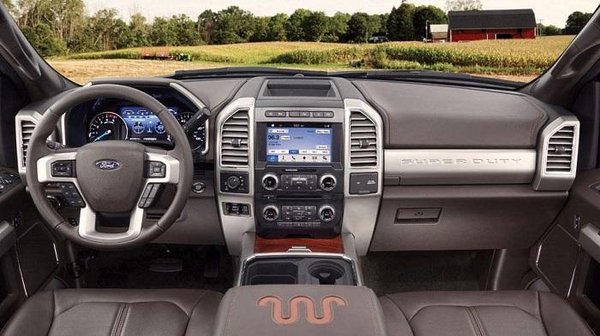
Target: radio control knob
[[270, 213], [270, 182], [326, 213], [327, 182]]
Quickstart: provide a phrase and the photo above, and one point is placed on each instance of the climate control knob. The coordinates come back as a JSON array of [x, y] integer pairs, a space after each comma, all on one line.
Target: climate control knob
[[270, 213], [326, 213], [327, 182], [270, 182]]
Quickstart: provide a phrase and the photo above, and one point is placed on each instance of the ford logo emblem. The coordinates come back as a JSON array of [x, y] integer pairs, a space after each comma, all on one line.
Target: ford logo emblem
[[107, 164]]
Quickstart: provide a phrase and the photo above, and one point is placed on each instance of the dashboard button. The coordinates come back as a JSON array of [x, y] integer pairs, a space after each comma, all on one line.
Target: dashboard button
[[294, 114], [233, 182], [328, 114], [318, 114], [278, 114], [305, 114]]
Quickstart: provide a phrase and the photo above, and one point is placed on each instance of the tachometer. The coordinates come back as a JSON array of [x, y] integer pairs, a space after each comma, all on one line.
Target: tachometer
[[197, 138], [107, 126]]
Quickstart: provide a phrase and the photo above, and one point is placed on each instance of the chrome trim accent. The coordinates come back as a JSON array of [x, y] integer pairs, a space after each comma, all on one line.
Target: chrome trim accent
[[199, 105], [273, 176], [460, 166], [556, 181], [327, 176], [361, 211], [21, 277], [234, 227]]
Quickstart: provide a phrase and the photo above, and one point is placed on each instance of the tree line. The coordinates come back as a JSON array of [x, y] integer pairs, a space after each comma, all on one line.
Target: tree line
[[57, 27]]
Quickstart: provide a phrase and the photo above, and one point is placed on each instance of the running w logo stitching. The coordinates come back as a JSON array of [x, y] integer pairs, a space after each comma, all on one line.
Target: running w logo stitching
[[293, 309]]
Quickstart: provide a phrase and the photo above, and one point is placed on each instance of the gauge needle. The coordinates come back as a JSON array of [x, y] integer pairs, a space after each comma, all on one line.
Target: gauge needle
[[103, 135]]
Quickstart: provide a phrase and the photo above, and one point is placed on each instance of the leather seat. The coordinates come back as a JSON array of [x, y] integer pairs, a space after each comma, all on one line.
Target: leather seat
[[509, 313], [108, 312]]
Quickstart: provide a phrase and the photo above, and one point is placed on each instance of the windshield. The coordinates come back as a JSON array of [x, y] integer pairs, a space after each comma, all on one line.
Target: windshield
[[512, 40]]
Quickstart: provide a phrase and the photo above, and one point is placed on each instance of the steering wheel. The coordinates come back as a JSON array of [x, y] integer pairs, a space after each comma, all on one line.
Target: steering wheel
[[109, 177]]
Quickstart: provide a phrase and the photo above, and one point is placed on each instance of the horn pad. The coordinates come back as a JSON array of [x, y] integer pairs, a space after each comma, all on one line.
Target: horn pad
[[111, 174]]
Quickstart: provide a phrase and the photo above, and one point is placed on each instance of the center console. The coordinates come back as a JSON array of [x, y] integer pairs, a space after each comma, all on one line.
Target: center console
[[299, 173]]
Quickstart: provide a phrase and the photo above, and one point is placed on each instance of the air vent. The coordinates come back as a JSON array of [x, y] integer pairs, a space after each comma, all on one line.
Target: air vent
[[26, 127], [234, 140], [363, 139], [560, 150]]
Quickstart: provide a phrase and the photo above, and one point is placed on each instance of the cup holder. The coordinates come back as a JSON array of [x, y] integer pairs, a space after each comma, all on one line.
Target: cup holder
[[326, 272], [299, 271]]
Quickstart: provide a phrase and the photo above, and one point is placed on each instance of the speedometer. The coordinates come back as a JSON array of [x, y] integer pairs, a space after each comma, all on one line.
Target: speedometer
[[107, 126], [197, 138]]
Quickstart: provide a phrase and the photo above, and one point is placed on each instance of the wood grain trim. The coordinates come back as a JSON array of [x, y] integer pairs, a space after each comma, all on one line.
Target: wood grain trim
[[322, 245]]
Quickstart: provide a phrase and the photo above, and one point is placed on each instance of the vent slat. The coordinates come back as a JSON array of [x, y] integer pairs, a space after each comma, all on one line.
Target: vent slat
[[559, 157], [363, 141], [27, 128], [234, 140]]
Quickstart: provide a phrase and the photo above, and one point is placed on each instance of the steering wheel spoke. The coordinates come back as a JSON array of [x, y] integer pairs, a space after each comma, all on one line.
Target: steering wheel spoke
[[161, 167], [88, 228]]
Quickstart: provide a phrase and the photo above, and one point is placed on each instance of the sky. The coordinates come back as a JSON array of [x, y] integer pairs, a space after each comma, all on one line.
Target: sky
[[549, 12]]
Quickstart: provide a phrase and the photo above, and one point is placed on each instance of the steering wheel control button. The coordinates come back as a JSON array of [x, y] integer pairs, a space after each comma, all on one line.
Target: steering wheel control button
[[364, 183], [234, 183], [63, 168], [156, 169], [71, 195], [149, 195]]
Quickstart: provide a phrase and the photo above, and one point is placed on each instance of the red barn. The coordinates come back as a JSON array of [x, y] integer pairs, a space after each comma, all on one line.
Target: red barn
[[491, 25]]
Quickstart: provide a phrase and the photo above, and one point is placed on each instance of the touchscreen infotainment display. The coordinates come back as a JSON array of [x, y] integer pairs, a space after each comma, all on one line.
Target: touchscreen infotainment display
[[144, 125], [299, 144]]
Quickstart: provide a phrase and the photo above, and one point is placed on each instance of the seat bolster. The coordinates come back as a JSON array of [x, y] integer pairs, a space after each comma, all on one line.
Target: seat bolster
[[560, 319], [204, 314], [34, 318], [395, 321]]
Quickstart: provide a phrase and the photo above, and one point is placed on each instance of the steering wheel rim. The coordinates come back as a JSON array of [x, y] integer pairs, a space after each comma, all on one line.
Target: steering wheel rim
[[178, 164]]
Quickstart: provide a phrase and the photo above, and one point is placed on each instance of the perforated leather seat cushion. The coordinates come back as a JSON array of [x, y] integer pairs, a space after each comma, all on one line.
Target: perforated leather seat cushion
[[509, 313], [108, 312]]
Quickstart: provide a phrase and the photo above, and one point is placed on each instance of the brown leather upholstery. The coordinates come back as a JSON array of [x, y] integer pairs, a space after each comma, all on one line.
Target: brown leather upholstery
[[300, 310], [91, 312], [510, 313]]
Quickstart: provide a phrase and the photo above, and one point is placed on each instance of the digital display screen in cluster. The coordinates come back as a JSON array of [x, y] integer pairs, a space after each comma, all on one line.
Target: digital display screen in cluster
[[144, 125], [299, 144]]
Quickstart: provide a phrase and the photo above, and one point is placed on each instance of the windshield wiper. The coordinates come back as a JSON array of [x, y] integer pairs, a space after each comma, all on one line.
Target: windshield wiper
[[425, 76], [244, 72]]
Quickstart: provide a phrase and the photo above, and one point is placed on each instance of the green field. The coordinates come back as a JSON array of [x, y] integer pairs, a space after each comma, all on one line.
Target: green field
[[506, 57]]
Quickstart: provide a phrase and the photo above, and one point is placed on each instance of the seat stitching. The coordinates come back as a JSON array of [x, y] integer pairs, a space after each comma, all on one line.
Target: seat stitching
[[53, 312], [472, 321], [192, 311], [478, 320], [121, 326], [401, 312], [539, 304], [117, 302], [490, 305], [115, 327]]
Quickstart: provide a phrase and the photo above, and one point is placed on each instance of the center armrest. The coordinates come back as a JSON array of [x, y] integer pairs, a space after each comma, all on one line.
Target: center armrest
[[300, 310]]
